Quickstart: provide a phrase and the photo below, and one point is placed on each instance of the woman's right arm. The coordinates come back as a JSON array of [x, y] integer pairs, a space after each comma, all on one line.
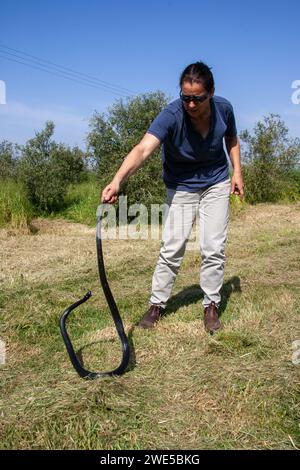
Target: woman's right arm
[[134, 160]]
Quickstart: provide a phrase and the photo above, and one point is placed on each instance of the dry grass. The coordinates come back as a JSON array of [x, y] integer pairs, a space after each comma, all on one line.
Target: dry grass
[[185, 389]]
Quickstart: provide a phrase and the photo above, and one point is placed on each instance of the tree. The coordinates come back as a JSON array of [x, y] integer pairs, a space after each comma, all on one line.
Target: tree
[[46, 169], [270, 157], [8, 159], [114, 134]]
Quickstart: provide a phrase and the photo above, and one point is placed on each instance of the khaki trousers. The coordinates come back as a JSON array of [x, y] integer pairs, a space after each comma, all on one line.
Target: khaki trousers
[[212, 204]]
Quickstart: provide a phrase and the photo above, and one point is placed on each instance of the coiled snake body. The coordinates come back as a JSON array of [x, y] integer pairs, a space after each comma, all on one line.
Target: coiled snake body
[[84, 373]]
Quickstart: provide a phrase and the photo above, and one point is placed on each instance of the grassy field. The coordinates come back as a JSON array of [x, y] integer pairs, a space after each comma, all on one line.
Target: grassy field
[[185, 389]]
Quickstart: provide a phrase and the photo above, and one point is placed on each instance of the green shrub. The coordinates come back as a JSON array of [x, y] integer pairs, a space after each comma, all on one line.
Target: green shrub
[[47, 168], [270, 157]]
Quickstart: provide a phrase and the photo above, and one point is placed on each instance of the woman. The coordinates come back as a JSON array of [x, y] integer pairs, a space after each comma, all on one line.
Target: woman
[[195, 171]]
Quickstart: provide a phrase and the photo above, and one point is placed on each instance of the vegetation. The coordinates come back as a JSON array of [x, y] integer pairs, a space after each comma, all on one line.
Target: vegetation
[[8, 159], [82, 200], [15, 208], [185, 390], [46, 168], [52, 179], [270, 157]]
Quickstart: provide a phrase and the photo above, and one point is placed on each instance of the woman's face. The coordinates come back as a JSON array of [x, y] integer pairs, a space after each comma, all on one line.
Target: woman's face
[[195, 108]]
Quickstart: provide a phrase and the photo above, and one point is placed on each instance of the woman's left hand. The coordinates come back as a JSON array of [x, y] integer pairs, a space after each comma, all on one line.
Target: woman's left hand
[[237, 185]]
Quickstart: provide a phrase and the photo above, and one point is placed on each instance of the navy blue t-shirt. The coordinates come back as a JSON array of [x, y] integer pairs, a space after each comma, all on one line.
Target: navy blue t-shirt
[[190, 162]]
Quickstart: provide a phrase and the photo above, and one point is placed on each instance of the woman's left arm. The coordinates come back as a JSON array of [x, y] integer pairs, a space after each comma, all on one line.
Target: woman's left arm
[[234, 151]]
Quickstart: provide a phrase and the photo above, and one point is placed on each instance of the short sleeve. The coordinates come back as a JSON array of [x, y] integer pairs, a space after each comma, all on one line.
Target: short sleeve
[[231, 126], [162, 125]]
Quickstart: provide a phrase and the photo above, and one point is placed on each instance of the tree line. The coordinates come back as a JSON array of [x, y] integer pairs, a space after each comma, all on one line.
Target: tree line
[[46, 168]]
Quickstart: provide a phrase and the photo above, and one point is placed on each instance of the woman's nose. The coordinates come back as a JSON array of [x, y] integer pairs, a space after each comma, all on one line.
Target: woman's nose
[[191, 104]]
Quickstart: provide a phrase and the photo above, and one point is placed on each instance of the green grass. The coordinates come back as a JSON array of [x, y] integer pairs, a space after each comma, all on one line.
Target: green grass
[[15, 209], [185, 389], [82, 201]]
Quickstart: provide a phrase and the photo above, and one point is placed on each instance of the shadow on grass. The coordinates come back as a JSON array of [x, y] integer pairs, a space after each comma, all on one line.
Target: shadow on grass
[[193, 294]]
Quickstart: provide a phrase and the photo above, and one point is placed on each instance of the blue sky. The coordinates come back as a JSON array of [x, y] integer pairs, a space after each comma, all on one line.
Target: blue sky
[[253, 48]]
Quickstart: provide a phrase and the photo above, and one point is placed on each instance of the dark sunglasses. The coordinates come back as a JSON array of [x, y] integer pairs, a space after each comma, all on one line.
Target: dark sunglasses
[[197, 98]]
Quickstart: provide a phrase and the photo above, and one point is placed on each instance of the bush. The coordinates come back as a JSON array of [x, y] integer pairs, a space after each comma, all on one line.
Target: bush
[[47, 168], [270, 158]]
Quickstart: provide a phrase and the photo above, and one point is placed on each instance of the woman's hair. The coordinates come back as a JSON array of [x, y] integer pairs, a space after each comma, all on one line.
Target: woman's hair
[[198, 73]]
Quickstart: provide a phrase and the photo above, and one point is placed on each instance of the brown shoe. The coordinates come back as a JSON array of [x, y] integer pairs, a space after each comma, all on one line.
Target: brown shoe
[[211, 319], [151, 317]]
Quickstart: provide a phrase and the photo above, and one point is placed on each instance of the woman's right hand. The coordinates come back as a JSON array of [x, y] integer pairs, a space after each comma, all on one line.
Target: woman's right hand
[[110, 193]]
